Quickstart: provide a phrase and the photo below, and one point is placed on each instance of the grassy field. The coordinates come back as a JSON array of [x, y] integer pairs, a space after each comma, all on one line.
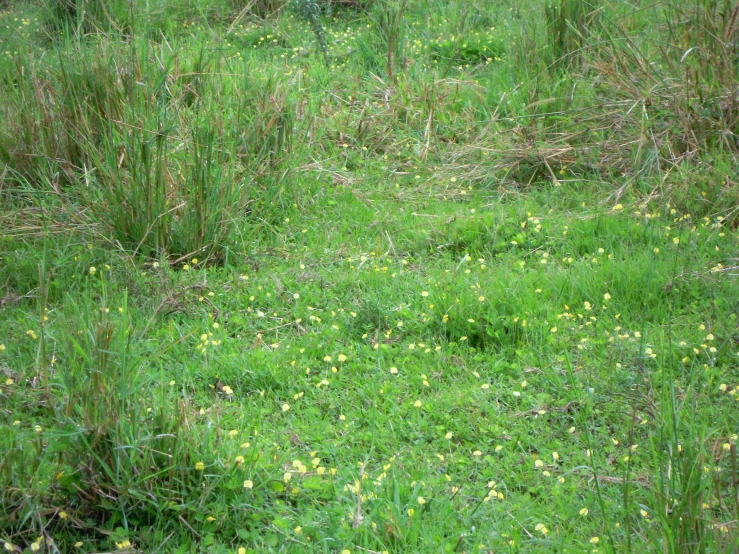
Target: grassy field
[[383, 276]]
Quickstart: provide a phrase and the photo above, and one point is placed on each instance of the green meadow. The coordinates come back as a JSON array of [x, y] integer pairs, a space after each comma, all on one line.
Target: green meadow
[[369, 276]]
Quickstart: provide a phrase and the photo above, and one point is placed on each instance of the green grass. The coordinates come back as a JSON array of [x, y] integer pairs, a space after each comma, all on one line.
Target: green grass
[[477, 294]]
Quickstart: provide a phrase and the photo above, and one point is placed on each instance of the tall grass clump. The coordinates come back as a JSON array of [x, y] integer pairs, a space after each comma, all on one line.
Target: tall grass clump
[[569, 24], [53, 122], [122, 452], [692, 470], [688, 81], [147, 17], [164, 151], [390, 24], [625, 92]]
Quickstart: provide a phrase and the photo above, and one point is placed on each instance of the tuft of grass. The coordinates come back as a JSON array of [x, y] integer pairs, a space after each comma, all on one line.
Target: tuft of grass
[[569, 24]]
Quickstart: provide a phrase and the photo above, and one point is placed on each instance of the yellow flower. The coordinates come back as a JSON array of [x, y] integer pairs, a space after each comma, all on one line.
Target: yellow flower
[[93, 270], [2, 347], [342, 358], [417, 403], [200, 466], [595, 540], [248, 484], [8, 381], [241, 550], [239, 460], [228, 390], [448, 436], [78, 544], [421, 500], [9, 547], [584, 512], [285, 407], [411, 511]]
